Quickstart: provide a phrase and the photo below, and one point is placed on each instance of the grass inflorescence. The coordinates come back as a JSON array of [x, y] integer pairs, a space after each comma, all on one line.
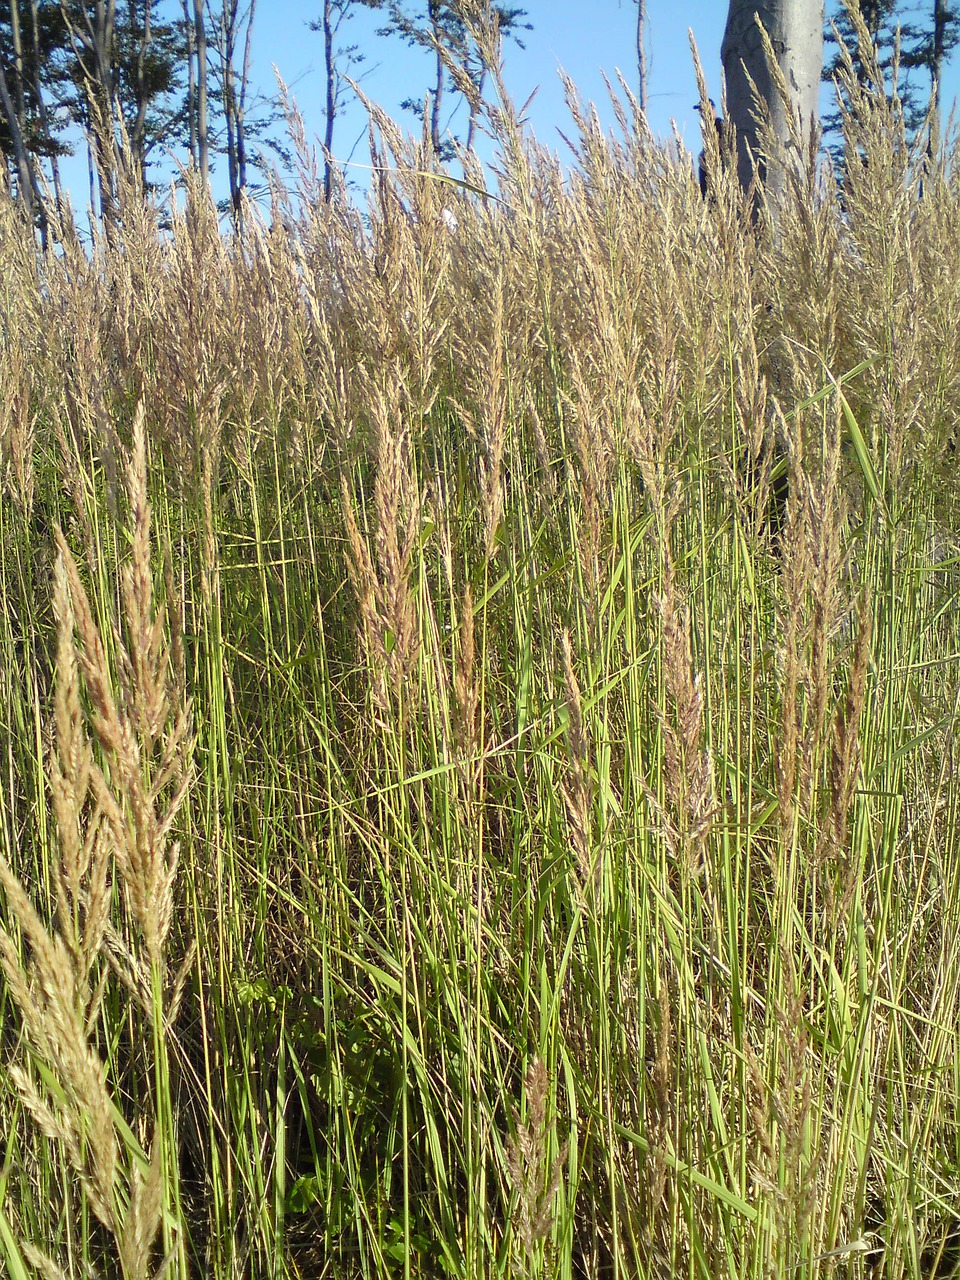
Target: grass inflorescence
[[479, 723]]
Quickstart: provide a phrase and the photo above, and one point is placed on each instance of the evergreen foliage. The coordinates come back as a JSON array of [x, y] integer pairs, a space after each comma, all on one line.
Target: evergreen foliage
[[907, 37]]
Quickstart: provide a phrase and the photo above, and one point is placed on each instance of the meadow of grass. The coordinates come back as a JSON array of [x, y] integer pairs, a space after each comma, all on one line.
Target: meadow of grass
[[479, 726]]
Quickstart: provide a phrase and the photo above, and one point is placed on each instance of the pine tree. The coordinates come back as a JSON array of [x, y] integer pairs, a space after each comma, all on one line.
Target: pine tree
[[928, 48], [32, 129], [441, 28], [921, 35]]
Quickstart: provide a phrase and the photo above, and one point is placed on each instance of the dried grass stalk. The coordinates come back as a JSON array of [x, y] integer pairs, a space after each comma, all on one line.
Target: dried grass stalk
[[114, 809], [535, 1177]]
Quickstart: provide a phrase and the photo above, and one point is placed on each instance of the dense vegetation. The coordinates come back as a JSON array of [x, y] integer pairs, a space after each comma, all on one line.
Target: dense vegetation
[[478, 720]]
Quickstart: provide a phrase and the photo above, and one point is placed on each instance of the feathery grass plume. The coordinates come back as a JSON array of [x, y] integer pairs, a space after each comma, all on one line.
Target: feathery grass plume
[[55, 1012], [589, 428], [194, 323], [485, 415], [535, 1178], [84, 367], [362, 575], [730, 207], [209, 469], [44, 1265], [749, 463], [112, 810], [70, 449], [132, 265], [17, 426], [688, 814], [25, 356], [824, 508], [59, 1012], [83, 868], [816, 610], [898, 241], [373, 953], [409, 244], [784, 1153], [382, 580], [397, 511], [800, 1157], [145, 733]]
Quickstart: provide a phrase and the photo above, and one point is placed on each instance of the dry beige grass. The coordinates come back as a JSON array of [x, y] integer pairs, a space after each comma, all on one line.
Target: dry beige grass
[[118, 776], [537, 743]]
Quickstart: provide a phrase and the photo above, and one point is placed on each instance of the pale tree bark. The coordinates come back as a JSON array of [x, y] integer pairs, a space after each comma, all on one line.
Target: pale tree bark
[[26, 117], [335, 14], [474, 120], [241, 131], [795, 29]]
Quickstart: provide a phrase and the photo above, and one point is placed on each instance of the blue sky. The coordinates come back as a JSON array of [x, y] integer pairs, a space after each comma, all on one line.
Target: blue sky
[[585, 37]]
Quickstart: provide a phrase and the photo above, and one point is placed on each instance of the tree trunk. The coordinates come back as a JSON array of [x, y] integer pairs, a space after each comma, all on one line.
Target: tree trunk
[[45, 130], [27, 184], [91, 172], [94, 35], [17, 60], [14, 110], [203, 143], [235, 87], [139, 127], [642, 53], [331, 72], [230, 121], [242, 108], [941, 16], [226, 49], [195, 25], [191, 80], [474, 110], [795, 29], [436, 96], [103, 35]]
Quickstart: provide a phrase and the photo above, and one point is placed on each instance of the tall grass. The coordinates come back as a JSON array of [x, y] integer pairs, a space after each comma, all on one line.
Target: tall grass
[[479, 726]]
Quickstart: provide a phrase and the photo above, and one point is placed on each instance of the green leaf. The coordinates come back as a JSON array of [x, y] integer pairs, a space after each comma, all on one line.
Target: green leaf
[[304, 1194]]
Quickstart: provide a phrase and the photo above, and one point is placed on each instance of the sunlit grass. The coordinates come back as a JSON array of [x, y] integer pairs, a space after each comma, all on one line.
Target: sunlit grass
[[564, 595]]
